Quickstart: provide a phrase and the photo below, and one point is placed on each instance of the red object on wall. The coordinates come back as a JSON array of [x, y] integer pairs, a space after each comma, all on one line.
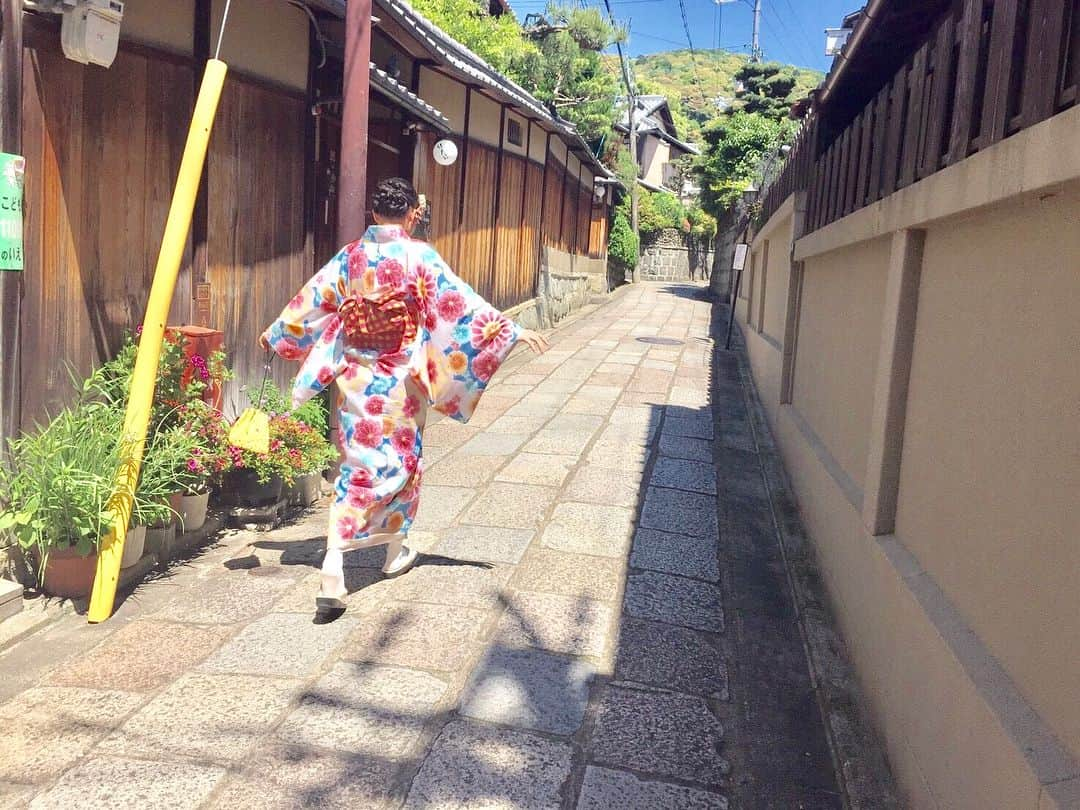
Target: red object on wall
[[198, 340]]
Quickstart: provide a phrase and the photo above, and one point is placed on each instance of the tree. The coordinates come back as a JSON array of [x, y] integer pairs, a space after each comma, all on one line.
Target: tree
[[767, 88], [496, 40], [735, 146]]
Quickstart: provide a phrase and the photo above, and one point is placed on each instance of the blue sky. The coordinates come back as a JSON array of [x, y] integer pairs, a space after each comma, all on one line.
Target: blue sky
[[791, 30]]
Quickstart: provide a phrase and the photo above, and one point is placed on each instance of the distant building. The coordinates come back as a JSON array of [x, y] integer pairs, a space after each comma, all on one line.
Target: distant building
[[658, 143]]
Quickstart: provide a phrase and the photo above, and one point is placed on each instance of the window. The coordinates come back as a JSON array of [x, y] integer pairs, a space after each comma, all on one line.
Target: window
[[513, 132]]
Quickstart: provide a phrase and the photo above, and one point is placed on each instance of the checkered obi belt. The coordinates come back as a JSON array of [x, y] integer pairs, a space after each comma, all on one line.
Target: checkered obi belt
[[386, 323]]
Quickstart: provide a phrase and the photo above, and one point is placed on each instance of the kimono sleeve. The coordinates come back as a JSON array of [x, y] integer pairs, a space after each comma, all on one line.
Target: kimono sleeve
[[466, 339], [311, 311]]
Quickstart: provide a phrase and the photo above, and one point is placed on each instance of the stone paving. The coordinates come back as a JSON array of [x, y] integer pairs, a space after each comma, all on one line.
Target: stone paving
[[563, 643]]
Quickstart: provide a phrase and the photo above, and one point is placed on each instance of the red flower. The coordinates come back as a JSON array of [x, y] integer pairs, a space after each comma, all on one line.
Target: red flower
[[357, 263], [403, 440], [432, 372], [451, 306], [289, 350], [326, 375], [361, 498], [297, 301], [375, 405], [411, 407], [409, 462], [332, 329], [360, 478], [453, 405], [369, 433], [423, 287], [484, 365], [491, 330], [390, 271], [348, 528]]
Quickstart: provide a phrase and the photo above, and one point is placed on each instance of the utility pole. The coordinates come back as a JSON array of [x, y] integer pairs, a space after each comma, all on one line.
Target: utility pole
[[631, 125], [755, 47], [11, 72], [352, 172]]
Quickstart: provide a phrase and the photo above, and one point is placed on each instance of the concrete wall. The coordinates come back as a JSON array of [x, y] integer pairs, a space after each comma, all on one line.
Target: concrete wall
[[671, 255], [169, 26], [271, 46], [918, 363], [654, 154]]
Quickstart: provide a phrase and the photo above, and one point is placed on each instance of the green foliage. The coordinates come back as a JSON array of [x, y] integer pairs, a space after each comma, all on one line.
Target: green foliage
[[768, 88], [622, 243], [497, 40], [657, 211], [735, 146], [312, 413], [702, 223]]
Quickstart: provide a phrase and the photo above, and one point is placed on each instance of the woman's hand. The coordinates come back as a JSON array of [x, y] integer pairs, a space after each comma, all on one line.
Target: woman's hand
[[264, 343], [534, 340]]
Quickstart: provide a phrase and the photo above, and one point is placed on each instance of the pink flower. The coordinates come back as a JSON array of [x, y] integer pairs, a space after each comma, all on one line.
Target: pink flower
[[403, 440], [289, 350], [453, 405], [433, 373], [357, 263], [411, 407], [369, 433], [332, 329], [451, 306], [390, 271], [326, 375], [361, 498], [484, 365], [423, 287], [297, 301], [348, 528], [490, 330], [409, 462], [360, 478], [375, 405]]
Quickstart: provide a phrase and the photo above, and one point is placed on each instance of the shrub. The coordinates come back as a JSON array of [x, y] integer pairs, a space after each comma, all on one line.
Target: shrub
[[622, 243]]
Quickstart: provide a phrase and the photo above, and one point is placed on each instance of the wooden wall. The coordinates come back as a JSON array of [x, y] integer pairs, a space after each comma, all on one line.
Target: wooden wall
[[102, 150], [477, 228], [258, 251]]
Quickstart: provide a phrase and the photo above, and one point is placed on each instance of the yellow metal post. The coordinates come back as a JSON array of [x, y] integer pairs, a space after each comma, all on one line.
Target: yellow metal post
[[144, 377]]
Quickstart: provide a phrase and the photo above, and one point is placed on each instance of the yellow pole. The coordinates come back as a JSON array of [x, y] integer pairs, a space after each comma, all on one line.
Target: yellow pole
[[144, 377]]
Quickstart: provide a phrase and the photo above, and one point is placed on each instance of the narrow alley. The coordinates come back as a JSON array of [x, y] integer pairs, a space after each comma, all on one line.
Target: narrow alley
[[603, 617]]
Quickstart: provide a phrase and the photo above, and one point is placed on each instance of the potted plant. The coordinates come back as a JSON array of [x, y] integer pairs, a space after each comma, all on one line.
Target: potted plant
[[165, 457], [56, 485], [207, 460], [257, 479], [310, 453]]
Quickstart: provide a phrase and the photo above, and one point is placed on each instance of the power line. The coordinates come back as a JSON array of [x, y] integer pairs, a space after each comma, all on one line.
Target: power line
[[693, 53], [789, 37]]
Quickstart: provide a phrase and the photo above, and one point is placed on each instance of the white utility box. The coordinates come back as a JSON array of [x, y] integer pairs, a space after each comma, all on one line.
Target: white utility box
[[90, 32]]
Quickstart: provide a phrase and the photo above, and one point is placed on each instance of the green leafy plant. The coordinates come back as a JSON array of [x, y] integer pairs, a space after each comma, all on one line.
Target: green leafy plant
[[281, 459], [622, 243], [58, 479], [209, 456], [309, 451], [163, 474]]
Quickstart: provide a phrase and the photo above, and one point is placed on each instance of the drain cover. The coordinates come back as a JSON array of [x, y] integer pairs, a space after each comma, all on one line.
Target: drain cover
[[659, 341], [266, 571]]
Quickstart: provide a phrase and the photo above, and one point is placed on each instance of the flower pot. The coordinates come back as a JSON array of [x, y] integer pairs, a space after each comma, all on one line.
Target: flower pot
[[192, 510], [134, 545], [242, 487], [304, 490], [68, 574], [161, 541]]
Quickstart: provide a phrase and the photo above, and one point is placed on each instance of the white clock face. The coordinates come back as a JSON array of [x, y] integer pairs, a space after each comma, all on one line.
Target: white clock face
[[445, 152]]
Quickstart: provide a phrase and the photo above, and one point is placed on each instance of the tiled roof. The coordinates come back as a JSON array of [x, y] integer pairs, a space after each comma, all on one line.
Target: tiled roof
[[407, 99]]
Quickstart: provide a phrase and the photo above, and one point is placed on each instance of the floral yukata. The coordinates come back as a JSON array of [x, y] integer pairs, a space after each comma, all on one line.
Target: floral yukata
[[448, 345]]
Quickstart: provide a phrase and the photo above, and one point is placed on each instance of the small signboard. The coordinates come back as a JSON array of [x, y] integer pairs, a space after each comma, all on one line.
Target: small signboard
[[11, 211], [739, 260]]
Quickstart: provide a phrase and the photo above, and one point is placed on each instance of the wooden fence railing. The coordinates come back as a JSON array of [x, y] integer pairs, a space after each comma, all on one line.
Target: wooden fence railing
[[988, 70]]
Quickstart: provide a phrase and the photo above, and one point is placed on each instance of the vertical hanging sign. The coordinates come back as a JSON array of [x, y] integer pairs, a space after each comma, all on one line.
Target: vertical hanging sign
[[11, 211]]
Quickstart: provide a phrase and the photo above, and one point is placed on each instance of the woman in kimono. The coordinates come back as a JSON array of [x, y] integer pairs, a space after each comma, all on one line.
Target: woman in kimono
[[400, 333]]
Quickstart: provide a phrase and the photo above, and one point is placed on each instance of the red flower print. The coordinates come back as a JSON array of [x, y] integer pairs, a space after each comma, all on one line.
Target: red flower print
[[432, 372], [332, 329], [484, 365], [490, 330], [357, 263], [375, 406], [360, 478], [390, 271], [289, 350], [388, 363], [451, 306], [326, 375], [329, 301], [348, 528], [423, 288], [369, 433], [411, 407], [409, 462], [453, 405], [430, 321], [297, 302], [403, 440], [361, 498]]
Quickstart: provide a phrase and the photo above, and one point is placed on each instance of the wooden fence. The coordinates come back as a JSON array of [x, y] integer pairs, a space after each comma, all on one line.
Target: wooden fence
[[989, 69]]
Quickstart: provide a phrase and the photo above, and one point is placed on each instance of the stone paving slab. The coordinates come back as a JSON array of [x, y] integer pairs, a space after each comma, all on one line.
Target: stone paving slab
[[469, 585], [103, 783], [674, 600], [440, 505], [581, 528], [280, 644], [605, 789], [614, 487], [228, 599], [695, 476], [680, 512], [528, 689], [511, 506], [418, 636], [282, 777], [563, 624], [476, 473], [685, 447], [507, 770], [485, 543], [676, 554], [683, 735], [548, 571], [142, 656], [368, 589], [361, 709], [203, 715], [540, 469], [667, 657]]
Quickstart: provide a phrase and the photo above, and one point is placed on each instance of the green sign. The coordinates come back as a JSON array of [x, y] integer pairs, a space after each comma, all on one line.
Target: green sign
[[11, 211]]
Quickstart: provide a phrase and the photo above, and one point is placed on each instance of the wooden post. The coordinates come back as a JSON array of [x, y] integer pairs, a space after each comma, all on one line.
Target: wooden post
[[11, 74], [498, 202], [352, 174], [199, 309]]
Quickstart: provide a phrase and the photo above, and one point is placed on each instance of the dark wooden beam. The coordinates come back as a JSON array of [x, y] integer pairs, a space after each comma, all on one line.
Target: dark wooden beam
[[352, 172], [200, 219], [11, 283], [498, 203]]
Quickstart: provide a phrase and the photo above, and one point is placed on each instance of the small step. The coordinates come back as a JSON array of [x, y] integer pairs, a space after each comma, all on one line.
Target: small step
[[11, 599]]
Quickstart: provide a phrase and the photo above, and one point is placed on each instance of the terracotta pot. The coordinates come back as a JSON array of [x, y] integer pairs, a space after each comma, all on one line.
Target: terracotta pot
[[242, 486], [69, 575], [192, 509], [134, 545]]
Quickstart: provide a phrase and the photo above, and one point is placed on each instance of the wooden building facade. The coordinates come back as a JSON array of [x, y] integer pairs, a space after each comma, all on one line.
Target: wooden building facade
[[103, 147]]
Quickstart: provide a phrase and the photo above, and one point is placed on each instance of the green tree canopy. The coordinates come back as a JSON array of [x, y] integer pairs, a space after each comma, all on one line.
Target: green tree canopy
[[767, 88], [735, 146]]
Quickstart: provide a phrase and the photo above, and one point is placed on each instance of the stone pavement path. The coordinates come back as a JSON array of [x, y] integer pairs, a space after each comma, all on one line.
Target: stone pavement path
[[575, 636]]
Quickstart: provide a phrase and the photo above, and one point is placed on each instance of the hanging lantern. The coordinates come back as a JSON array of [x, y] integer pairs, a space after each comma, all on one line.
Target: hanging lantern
[[445, 152]]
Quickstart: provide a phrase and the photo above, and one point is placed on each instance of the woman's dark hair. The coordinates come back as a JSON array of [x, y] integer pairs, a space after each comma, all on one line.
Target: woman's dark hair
[[394, 198]]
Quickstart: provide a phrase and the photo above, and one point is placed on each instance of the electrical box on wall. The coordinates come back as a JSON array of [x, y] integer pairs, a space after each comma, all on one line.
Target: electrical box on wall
[[90, 32]]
